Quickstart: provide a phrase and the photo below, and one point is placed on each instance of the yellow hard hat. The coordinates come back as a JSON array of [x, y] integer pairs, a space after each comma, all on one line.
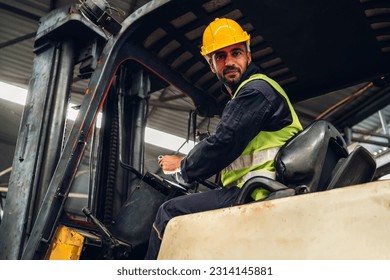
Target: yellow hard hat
[[220, 33]]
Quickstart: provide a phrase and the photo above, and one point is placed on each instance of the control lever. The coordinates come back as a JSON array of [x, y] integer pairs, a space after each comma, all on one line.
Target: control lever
[[179, 179], [107, 236], [209, 184]]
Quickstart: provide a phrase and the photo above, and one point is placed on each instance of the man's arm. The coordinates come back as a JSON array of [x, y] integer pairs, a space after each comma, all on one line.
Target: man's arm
[[243, 118]]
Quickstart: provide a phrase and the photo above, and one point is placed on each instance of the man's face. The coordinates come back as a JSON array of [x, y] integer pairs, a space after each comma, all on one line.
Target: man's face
[[230, 63]]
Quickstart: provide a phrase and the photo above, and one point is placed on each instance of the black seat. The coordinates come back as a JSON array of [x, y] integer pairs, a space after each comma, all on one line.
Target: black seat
[[315, 159], [310, 158], [358, 168]]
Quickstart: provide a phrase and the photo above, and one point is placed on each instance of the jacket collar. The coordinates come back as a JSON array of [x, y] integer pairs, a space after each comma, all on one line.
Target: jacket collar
[[252, 69]]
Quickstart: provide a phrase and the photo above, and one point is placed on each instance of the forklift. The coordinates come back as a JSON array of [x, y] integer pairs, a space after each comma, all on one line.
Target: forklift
[[123, 63]]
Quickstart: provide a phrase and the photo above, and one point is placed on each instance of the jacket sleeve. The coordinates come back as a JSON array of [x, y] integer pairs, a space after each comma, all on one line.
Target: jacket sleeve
[[257, 107]]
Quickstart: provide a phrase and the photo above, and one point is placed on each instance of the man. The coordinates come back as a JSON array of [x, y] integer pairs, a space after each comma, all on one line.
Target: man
[[255, 123]]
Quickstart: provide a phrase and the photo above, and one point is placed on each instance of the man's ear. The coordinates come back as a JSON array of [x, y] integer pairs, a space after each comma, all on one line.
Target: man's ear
[[210, 61], [212, 66], [249, 56]]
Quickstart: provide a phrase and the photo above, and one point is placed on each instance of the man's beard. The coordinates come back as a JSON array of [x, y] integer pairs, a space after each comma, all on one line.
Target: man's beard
[[230, 82]]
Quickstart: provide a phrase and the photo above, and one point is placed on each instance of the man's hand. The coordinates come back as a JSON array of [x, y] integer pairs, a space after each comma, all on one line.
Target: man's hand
[[170, 163]]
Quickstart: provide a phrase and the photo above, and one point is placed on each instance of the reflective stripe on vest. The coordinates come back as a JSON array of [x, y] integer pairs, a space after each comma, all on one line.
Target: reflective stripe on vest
[[255, 173], [258, 157]]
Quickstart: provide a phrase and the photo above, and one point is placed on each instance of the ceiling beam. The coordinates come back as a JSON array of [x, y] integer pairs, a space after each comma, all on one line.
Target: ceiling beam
[[373, 104], [19, 12], [17, 40], [53, 4]]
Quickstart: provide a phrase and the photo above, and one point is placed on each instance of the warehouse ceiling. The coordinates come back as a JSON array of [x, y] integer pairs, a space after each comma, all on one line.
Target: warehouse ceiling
[[332, 57]]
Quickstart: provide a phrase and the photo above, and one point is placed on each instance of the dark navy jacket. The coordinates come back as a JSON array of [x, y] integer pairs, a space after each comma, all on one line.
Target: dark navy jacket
[[257, 107]]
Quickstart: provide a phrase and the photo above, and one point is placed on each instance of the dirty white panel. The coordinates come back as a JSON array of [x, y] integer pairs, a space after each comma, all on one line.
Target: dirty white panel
[[347, 223]]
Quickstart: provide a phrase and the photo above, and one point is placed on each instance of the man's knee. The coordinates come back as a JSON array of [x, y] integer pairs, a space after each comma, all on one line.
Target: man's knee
[[165, 209], [165, 212], [170, 208]]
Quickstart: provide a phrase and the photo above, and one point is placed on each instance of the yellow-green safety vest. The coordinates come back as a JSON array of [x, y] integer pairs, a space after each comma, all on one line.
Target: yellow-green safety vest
[[258, 157]]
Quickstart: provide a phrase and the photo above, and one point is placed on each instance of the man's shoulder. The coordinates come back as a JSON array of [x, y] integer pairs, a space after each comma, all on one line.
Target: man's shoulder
[[258, 84]]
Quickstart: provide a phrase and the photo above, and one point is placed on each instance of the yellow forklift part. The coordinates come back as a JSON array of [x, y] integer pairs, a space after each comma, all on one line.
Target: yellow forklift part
[[67, 245]]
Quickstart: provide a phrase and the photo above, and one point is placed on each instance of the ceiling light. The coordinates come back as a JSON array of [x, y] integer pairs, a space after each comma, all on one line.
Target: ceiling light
[[152, 136]]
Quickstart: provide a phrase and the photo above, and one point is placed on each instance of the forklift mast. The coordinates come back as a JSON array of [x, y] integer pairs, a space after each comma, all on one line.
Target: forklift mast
[[44, 164]]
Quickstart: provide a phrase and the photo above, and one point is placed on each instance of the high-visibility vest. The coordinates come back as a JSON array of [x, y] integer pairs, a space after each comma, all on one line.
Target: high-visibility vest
[[258, 157]]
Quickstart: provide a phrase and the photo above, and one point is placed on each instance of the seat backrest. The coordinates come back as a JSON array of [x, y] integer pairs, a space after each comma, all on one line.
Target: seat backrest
[[311, 157], [358, 168]]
